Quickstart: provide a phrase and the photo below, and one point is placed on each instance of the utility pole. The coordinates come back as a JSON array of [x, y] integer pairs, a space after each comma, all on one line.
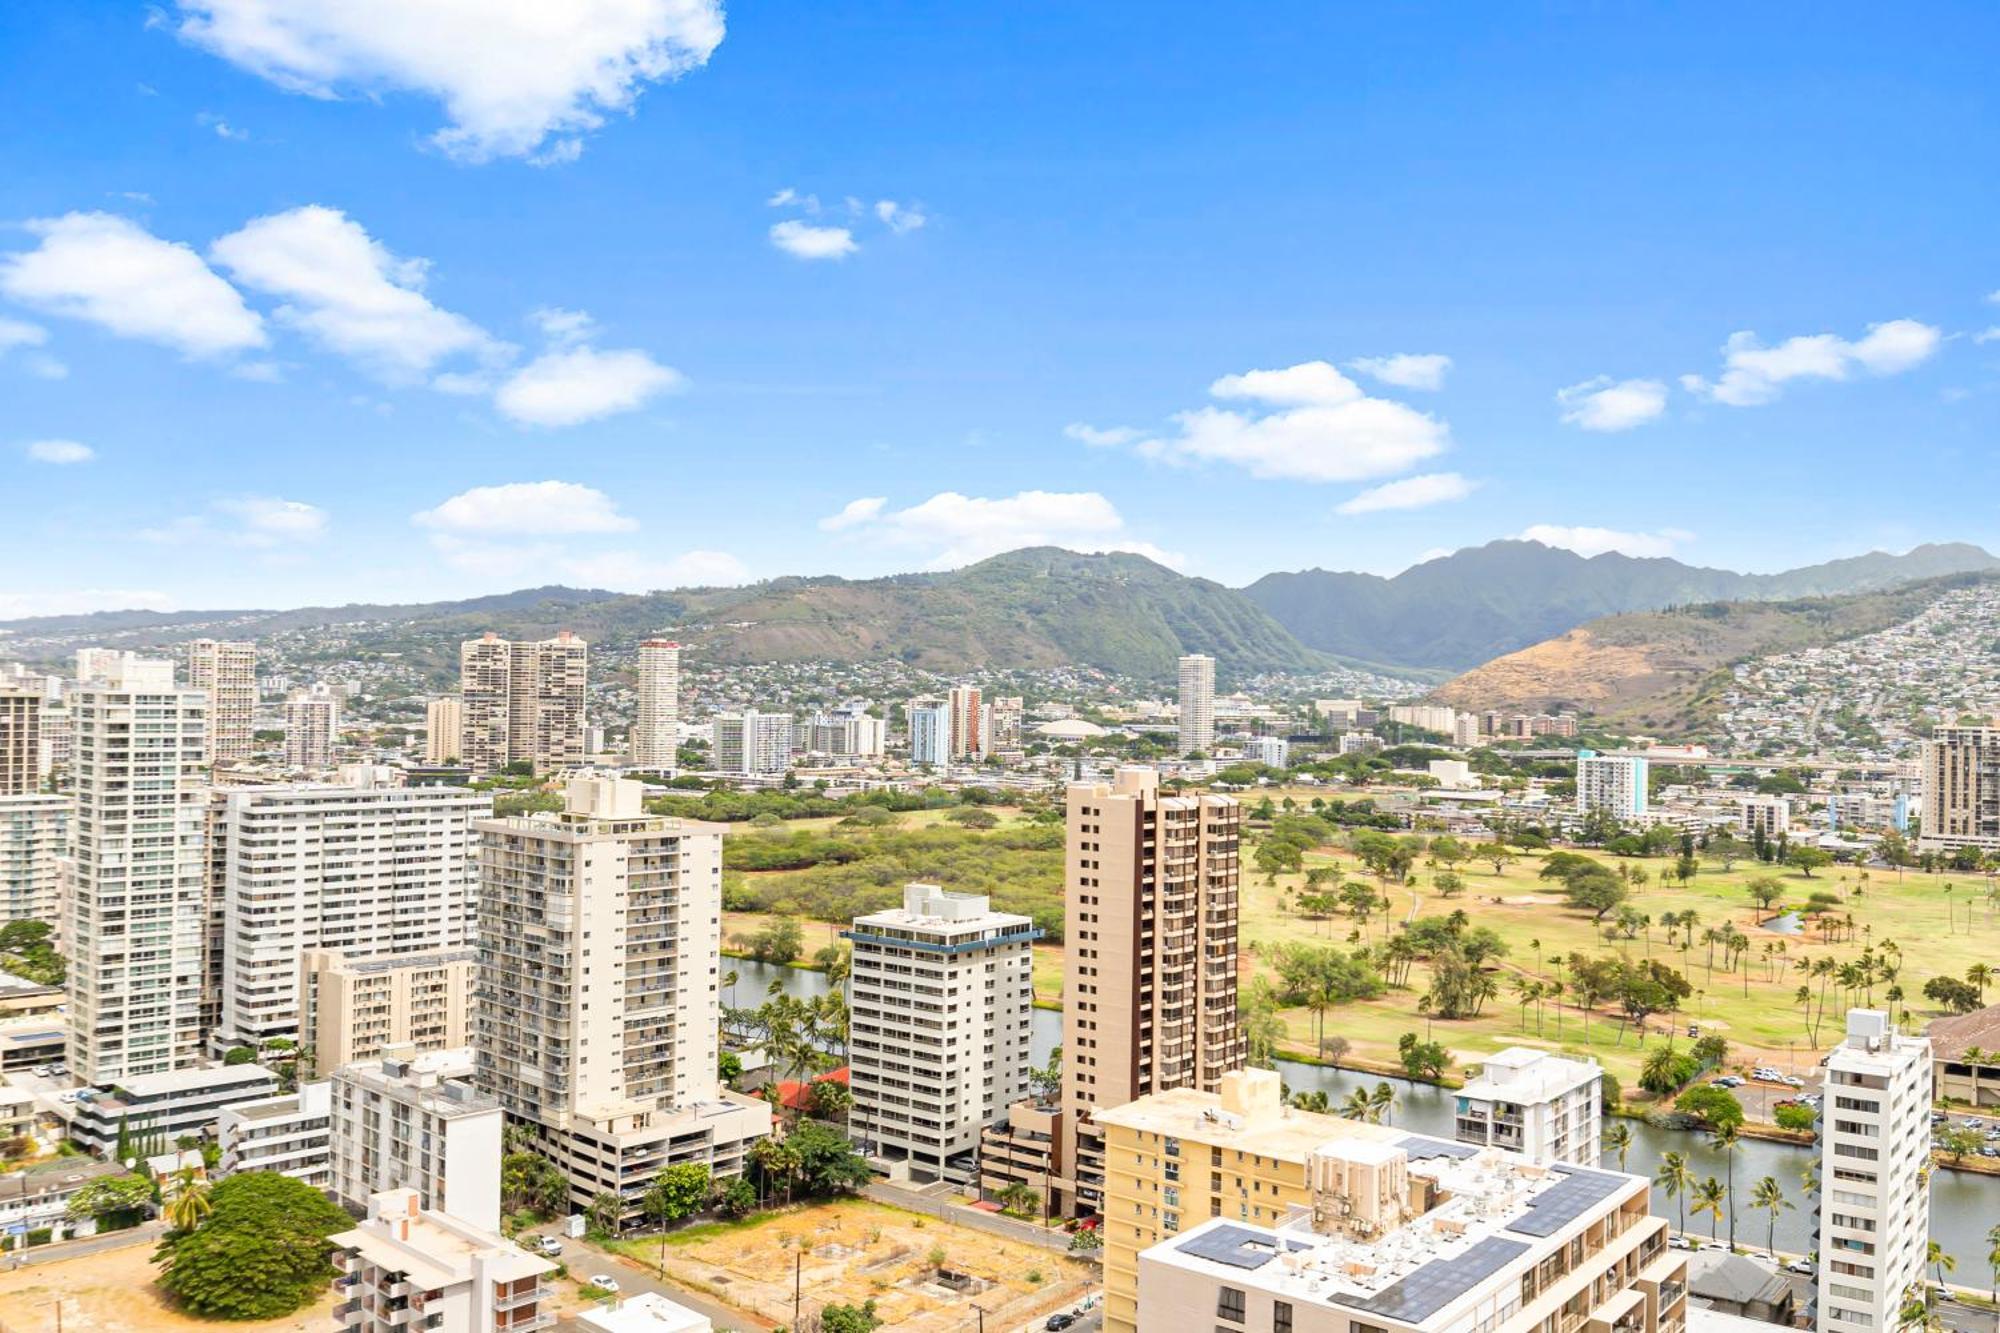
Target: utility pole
[[798, 1288]]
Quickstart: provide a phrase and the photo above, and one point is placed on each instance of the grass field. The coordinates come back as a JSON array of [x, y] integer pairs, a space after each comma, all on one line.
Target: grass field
[[854, 1250]]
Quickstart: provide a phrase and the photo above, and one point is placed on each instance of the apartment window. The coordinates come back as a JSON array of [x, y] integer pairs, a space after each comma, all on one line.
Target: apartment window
[[1229, 1304], [1281, 1317]]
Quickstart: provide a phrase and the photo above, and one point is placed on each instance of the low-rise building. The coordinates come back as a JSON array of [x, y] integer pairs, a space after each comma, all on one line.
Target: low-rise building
[[407, 1266], [1965, 1057], [415, 1121], [1271, 751], [167, 1106], [1548, 1108], [647, 1312], [291, 1134], [40, 1197], [1738, 1285]]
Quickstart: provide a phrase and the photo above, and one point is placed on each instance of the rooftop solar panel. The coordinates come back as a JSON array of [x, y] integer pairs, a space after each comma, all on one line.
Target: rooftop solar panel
[[1575, 1194], [1238, 1247], [1419, 1147], [1438, 1283]]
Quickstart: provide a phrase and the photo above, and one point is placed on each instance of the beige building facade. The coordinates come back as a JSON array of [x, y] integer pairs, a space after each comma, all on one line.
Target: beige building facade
[[228, 671], [522, 702], [1961, 787], [355, 1007], [444, 729]]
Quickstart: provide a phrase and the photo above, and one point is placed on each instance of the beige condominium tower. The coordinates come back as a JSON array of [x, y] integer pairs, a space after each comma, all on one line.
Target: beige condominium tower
[[522, 702], [228, 671], [1197, 682], [1961, 775], [1150, 903], [656, 721]]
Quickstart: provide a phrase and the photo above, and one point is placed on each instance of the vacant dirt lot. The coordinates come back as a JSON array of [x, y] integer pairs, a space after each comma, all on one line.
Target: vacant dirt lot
[[113, 1292]]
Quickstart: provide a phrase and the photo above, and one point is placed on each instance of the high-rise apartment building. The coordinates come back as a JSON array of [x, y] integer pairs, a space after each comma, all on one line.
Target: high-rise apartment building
[[20, 739], [1875, 1166], [940, 1000], [1548, 1108], [1614, 784], [406, 1120], [357, 866], [312, 726], [753, 743], [1961, 789], [1150, 905], [522, 702], [138, 905], [930, 732], [228, 671], [1003, 721], [848, 731], [356, 1007], [444, 729], [970, 738], [1232, 1211], [1197, 682], [34, 829], [597, 1010], [656, 722]]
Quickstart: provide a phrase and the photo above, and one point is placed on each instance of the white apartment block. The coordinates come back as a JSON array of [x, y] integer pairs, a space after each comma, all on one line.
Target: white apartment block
[[1548, 1108], [136, 931], [356, 1007], [186, 1101], [753, 743], [1875, 1159], [415, 1121], [228, 671], [1271, 751], [291, 1134], [312, 726], [1769, 815], [656, 726], [33, 833], [597, 1012], [1615, 784], [444, 729], [522, 702], [930, 732], [940, 1005], [847, 731], [357, 867], [1427, 717], [1197, 690], [408, 1267]]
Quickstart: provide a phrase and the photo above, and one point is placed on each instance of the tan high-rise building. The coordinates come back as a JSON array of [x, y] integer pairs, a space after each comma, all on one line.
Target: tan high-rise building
[[355, 1007], [522, 702], [444, 729], [1961, 777], [20, 740], [228, 671], [312, 725], [657, 723], [1150, 902], [1197, 682]]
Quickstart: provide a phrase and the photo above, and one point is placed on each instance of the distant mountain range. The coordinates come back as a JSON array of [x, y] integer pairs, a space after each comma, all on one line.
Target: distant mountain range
[[1484, 601], [1044, 607]]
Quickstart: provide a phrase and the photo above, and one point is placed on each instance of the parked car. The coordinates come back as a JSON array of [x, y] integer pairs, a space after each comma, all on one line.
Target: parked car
[[1794, 1080], [1679, 1242], [549, 1246], [1804, 1266], [1059, 1320], [605, 1282]]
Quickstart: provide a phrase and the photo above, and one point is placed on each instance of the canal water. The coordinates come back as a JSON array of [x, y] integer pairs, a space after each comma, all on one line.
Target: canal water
[[1963, 1204]]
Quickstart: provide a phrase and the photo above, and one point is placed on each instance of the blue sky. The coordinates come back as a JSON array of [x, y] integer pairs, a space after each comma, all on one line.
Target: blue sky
[[295, 309]]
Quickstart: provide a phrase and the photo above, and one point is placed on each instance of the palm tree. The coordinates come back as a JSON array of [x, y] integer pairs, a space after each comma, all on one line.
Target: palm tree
[[1770, 1196], [1675, 1178], [1724, 1138], [1618, 1139], [189, 1203], [1941, 1262], [1356, 1105], [1993, 1259], [1708, 1197], [1381, 1103]]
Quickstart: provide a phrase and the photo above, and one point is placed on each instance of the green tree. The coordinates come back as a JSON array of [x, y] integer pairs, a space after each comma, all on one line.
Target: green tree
[[1713, 1106], [262, 1252], [1674, 1177], [1708, 1197], [1806, 859], [849, 1318], [1724, 1138], [606, 1212], [1019, 1198], [187, 1201], [1769, 1195], [530, 1180], [108, 1196], [734, 1197]]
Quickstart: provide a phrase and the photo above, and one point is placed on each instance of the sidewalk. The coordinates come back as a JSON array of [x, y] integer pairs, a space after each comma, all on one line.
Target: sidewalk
[[146, 1233], [1054, 1239]]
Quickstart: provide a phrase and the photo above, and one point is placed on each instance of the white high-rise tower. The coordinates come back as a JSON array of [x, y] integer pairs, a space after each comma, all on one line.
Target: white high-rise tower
[[138, 908], [228, 671], [1197, 703], [656, 728]]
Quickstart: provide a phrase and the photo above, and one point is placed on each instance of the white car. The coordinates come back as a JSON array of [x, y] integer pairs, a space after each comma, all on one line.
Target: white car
[[549, 1247], [1802, 1266], [605, 1282]]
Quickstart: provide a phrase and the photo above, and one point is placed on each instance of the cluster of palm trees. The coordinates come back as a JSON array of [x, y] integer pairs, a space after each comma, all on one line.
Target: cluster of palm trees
[[1372, 1106], [1855, 978], [801, 1035], [1676, 1177]]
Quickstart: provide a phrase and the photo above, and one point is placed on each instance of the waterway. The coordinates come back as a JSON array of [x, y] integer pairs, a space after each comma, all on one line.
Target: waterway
[[1963, 1203]]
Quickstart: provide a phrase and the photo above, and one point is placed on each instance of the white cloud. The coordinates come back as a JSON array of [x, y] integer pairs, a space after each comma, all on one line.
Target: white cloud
[[258, 521], [1405, 370], [563, 328], [1604, 404], [1987, 335], [1107, 438], [1754, 374], [578, 384], [517, 78], [527, 507], [899, 218], [60, 452], [111, 272], [19, 333], [802, 240], [1587, 541], [1410, 493], [959, 529], [81, 601], [347, 291], [223, 129], [1327, 429]]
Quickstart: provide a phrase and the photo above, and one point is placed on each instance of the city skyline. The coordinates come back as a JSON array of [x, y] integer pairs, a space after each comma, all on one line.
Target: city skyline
[[1500, 277]]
